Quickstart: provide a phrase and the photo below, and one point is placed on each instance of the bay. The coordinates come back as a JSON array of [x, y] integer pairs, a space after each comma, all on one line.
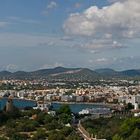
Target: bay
[[76, 107], [19, 103]]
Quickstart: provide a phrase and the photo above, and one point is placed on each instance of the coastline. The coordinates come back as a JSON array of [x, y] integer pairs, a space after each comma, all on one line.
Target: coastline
[[86, 103], [69, 103], [15, 98]]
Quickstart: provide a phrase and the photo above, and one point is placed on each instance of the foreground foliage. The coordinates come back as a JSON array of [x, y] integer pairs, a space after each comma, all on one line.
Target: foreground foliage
[[114, 128], [23, 125]]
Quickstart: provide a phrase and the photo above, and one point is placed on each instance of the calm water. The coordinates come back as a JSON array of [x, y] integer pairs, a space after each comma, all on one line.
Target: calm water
[[20, 103], [75, 108]]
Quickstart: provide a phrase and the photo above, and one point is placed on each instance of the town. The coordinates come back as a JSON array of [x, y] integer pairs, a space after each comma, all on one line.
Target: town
[[101, 91], [97, 99], [69, 70]]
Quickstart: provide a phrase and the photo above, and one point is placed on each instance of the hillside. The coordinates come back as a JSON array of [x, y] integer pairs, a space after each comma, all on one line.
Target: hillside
[[108, 72], [76, 75], [70, 74]]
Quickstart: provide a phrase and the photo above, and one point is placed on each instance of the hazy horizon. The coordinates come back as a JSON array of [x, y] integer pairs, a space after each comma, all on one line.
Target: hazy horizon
[[13, 71]]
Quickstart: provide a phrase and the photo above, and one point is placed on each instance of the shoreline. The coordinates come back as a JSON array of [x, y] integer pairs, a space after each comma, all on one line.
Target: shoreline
[[69, 103], [24, 99], [86, 103]]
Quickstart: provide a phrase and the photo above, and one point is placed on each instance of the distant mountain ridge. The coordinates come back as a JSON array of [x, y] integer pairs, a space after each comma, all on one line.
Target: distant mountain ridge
[[70, 74], [108, 72]]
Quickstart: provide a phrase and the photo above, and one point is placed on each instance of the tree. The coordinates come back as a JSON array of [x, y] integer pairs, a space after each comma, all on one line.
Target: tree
[[64, 109], [129, 106], [39, 135], [27, 125], [74, 136], [11, 123], [40, 118], [3, 117], [130, 129], [139, 106], [48, 119], [3, 138], [17, 136], [65, 118], [66, 131], [135, 135], [117, 137], [53, 125], [56, 136]]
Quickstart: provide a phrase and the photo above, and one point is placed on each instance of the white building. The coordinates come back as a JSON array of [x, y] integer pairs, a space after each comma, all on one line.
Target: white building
[[129, 99], [84, 112], [42, 106]]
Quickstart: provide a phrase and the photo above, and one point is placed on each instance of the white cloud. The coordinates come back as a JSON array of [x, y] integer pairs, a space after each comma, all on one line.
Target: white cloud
[[120, 19], [51, 5], [98, 44], [11, 67]]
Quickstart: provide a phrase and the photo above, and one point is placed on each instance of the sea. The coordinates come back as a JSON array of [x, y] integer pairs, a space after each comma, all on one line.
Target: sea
[[19, 103], [77, 107]]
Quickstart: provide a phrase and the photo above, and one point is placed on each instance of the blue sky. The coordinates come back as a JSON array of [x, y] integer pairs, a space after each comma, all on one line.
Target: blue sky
[[37, 34]]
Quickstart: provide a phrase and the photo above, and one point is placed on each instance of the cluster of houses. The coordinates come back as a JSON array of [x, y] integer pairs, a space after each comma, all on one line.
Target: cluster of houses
[[107, 94], [94, 94]]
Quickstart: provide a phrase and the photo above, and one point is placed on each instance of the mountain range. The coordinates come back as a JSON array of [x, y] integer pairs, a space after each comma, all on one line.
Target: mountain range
[[70, 74]]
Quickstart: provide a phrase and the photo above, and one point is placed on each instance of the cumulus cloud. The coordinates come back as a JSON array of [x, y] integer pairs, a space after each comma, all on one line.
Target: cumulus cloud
[[120, 19], [51, 5]]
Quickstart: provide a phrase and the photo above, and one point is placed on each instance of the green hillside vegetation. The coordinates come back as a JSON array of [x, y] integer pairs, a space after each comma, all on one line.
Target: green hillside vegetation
[[81, 75], [23, 125], [114, 128], [71, 74]]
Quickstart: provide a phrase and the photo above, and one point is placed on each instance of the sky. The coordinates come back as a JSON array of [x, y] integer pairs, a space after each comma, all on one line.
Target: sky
[[40, 34]]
